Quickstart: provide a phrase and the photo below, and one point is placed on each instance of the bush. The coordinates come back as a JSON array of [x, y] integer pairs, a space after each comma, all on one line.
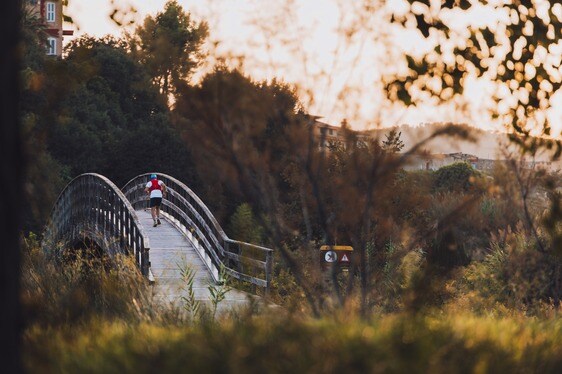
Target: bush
[[515, 274], [454, 177]]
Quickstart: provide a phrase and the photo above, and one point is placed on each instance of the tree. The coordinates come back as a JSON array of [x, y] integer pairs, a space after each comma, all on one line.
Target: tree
[[393, 143], [228, 117], [43, 180], [454, 177], [154, 145], [516, 51], [169, 45], [244, 227], [107, 59], [109, 116]]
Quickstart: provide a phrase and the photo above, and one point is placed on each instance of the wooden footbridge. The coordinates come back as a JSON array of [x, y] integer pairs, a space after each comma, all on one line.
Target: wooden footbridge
[[118, 221]]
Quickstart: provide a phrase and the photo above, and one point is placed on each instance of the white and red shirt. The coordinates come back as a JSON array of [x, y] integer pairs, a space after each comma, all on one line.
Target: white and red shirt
[[155, 187]]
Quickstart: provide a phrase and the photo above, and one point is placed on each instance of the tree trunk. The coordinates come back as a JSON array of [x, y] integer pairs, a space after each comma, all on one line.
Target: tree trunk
[[11, 188]]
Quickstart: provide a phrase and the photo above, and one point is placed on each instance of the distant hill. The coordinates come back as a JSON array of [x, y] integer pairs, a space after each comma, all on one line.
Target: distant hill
[[489, 144]]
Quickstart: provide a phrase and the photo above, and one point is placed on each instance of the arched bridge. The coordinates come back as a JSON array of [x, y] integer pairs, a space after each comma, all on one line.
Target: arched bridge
[[119, 221]]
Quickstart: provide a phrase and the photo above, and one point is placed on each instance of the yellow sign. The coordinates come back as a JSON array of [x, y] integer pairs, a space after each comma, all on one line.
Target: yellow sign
[[339, 255], [336, 248]]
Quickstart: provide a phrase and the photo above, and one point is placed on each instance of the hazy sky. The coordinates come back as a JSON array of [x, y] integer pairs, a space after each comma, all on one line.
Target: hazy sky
[[314, 44]]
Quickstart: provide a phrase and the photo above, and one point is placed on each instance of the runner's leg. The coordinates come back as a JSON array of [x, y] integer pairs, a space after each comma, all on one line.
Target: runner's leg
[[153, 211], [158, 214]]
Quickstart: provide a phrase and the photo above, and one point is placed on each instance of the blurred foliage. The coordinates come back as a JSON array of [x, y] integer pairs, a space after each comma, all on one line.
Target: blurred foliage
[[44, 176], [516, 49], [514, 274], [240, 133], [82, 285], [452, 343]]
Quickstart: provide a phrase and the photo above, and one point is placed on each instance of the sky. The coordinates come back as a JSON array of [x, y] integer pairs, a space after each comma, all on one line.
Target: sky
[[313, 44]]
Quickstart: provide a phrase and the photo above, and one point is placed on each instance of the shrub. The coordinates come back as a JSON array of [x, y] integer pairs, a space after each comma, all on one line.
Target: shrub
[[515, 273], [244, 227], [83, 287], [454, 177]]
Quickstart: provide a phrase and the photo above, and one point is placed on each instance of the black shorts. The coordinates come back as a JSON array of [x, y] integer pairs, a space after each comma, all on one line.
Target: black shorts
[[155, 201]]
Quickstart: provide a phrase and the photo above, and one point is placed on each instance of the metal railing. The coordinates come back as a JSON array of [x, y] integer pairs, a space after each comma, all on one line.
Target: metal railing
[[92, 206], [243, 261]]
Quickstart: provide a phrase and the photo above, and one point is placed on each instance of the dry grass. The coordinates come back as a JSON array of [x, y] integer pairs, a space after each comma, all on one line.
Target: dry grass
[[442, 343]]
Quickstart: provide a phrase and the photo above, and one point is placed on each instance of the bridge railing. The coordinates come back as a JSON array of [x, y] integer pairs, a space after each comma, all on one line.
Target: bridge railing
[[243, 261], [92, 206]]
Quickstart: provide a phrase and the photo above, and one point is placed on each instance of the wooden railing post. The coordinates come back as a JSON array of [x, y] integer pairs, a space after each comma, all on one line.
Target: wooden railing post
[[145, 263], [268, 272]]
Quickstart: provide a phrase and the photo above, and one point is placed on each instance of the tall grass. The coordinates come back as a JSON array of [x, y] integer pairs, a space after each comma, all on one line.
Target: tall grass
[[78, 285], [393, 343], [97, 315]]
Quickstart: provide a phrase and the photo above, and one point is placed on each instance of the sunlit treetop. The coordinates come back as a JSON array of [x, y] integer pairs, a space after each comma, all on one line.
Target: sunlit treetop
[[514, 44], [170, 45]]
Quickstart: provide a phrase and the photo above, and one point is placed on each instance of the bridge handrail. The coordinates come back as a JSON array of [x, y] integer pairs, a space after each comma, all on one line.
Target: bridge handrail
[[244, 261], [91, 203]]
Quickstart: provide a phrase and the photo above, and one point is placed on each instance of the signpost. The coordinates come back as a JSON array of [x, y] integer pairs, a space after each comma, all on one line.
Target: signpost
[[336, 255]]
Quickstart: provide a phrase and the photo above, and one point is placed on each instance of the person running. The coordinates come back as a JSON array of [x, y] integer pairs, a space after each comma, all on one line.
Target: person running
[[156, 190]]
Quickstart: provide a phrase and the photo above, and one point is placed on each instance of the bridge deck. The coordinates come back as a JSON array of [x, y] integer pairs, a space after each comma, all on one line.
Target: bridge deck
[[170, 252]]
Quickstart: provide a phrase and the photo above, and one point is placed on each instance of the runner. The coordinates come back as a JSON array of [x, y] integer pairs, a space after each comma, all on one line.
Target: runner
[[156, 189]]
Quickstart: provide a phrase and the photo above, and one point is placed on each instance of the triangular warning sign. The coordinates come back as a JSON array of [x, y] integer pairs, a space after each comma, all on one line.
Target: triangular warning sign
[[344, 258]]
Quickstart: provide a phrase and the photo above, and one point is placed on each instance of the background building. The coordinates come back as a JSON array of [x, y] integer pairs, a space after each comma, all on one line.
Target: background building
[[51, 16]]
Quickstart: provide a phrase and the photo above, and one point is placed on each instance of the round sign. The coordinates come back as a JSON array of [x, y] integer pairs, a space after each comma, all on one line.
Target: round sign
[[331, 256]]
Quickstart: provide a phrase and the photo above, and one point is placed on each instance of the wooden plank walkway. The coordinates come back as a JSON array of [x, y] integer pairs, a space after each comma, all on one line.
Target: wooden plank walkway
[[170, 251]]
